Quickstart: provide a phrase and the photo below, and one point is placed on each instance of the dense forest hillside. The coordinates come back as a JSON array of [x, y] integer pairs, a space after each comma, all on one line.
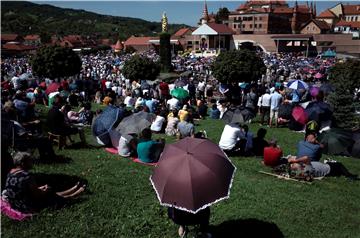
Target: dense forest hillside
[[29, 18]]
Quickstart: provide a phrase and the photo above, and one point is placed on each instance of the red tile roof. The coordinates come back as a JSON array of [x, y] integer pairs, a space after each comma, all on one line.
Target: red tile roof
[[17, 47], [220, 28], [32, 37], [9, 37], [351, 9], [119, 45], [327, 14], [282, 10], [138, 40], [353, 24], [323, 25], [181, 32]]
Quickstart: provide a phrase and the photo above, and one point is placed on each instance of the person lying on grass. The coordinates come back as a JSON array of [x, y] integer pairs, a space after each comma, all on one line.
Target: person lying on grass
[[309, 152], [24, 195]]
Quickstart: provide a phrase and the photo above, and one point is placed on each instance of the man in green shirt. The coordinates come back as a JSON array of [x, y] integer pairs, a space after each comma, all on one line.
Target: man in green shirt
[[149, 150]]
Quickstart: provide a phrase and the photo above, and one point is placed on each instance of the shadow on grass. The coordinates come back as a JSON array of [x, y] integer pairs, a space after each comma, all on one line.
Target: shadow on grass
[[80, 145], [58, 182], [246, 228]]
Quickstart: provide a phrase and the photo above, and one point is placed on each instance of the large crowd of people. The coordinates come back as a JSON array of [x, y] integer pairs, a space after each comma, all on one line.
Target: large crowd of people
[[101, 81]]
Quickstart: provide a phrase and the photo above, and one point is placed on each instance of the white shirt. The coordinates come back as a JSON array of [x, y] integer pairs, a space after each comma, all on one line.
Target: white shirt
[[265, 100], [157, 124], [108, 84], [129, 101], [123, 148], [173, 103], [230, 135], [201, 86]]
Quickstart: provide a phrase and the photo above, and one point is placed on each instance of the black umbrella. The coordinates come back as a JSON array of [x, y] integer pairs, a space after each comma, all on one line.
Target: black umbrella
[[247, 114], [327, 88], [108, 119], [319, 111], [285, 111], [135, 123], [337, 141], [233, 116]]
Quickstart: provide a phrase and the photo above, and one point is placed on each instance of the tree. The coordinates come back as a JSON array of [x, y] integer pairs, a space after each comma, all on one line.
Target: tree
[[238, 66], [45, 37], [222, 14], [345, 77], [165, 52], [55, 62], [138, 68]]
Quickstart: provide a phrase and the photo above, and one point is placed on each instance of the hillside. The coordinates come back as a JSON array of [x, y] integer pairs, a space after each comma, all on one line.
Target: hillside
[[30, 18]]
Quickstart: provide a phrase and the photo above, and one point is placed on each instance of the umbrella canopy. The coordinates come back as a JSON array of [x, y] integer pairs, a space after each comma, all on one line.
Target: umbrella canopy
[[192, 174], [53, 87], [327, 88], [297, 84], [337, 141], [247, 114], [285, 111], [318, 75], [179, 93], [314, 91], [299, 115], [233, 116], [135, 123], [186, 73], [108, 119], [181, 82], [318, 111]]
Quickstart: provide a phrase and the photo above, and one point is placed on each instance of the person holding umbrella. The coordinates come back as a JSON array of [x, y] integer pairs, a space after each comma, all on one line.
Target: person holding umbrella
[[188, 194]]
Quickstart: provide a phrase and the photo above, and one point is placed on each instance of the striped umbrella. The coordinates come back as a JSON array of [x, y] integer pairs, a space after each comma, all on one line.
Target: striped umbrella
[[297, 84]]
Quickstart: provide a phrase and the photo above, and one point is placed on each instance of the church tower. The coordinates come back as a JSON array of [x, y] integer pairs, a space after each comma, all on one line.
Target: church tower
[[294, 19], [205, 15]]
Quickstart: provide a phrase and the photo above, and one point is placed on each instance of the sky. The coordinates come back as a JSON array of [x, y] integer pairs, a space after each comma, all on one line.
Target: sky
[[183, 12]]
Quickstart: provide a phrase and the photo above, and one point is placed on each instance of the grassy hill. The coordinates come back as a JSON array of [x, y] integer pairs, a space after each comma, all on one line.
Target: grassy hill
[[120, 201], [30, 18]]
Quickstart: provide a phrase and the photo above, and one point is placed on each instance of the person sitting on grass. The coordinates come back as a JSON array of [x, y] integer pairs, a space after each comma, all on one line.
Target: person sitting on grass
[[127, 145], [248, 135], [24, 195], [58, 125], [149, 150], [232, 139], [159, 122], [273, 154], [214, 112], [186, 128], [172, 122], [309, 147], [259, 143]]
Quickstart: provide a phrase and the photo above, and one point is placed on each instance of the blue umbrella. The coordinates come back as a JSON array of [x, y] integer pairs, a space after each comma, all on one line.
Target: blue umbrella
[[244, 85], [297, 84], [107, 120]]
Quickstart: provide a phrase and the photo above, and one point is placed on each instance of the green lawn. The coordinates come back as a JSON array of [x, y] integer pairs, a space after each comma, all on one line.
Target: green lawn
[[120, 201]]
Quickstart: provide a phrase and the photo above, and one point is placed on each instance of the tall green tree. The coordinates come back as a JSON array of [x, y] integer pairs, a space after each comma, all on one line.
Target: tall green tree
[[165, 52], [139, 68], [55, 62], [222, 14], [238, 66], [345, 77]]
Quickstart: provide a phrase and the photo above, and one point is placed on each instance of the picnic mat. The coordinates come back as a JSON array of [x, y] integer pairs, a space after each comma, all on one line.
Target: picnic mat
[[285, 177], [114, 151]]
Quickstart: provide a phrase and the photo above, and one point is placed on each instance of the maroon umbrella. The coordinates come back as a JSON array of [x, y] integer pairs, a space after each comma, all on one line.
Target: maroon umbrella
[[192, 174], [299, 114], [53, 87]]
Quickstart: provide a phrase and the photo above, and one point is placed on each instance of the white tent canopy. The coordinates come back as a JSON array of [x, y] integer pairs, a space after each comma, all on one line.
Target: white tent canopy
[[204, 30]]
